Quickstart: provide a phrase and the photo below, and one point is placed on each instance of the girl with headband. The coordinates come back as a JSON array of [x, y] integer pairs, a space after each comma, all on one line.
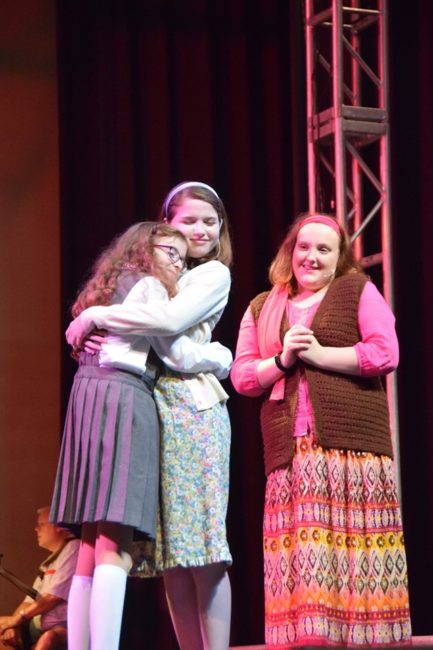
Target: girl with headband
[[195, 428], [316, 346]]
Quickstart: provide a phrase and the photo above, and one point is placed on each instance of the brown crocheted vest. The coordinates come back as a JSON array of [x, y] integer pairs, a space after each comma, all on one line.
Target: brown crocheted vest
[[350, 412]]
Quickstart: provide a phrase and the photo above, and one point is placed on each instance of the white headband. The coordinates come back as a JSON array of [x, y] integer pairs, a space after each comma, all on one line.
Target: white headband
[[184, 186]]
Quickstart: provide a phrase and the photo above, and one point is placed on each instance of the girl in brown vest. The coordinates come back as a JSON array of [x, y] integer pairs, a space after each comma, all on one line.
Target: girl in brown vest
[[316, 346]]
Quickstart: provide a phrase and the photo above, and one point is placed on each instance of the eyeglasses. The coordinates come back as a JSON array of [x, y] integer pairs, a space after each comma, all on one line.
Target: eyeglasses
[[172, 252]]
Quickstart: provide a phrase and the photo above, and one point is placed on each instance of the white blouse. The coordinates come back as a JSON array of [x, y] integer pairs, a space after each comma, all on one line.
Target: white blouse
[[193, 313]]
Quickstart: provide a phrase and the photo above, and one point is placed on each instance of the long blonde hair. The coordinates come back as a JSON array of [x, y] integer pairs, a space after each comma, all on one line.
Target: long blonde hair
[[131, 251], [281, 270]]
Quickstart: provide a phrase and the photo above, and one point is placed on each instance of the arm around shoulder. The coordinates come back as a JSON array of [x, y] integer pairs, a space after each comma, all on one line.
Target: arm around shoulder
[[203, 292]]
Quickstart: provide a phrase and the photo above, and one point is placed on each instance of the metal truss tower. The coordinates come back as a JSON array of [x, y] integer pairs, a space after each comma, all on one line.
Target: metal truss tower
[[348, 133]]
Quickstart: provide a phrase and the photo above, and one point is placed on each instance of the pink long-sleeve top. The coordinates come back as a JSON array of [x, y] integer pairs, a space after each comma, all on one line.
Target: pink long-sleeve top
[[377, 351]]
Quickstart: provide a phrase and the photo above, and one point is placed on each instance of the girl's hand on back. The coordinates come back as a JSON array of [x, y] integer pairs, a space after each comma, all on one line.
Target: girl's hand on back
[[78, 330], [93, 342]]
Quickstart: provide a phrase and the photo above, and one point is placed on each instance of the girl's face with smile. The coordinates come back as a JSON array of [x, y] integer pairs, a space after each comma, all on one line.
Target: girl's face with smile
[[199, 223], [315, 256], [169, 257]]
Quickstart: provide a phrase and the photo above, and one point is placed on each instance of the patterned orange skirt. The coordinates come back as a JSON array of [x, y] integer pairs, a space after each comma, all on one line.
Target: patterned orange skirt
[[334, 557]]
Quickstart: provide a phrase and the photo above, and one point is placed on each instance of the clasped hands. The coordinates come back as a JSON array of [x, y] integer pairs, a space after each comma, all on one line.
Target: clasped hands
[[299, 341]]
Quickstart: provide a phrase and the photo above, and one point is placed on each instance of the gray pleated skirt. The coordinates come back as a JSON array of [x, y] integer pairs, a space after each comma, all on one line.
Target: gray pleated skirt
[[109, 459]]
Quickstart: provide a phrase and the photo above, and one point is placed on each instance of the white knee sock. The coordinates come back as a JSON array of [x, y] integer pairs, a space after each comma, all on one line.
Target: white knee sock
[[106, 606], [78, 613]]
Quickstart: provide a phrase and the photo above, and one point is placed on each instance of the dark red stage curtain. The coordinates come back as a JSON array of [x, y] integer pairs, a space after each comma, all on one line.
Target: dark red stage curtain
[[154, 92]]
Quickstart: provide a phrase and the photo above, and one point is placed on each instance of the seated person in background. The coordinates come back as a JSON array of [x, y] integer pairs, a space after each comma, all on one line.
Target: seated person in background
[[41, 624]]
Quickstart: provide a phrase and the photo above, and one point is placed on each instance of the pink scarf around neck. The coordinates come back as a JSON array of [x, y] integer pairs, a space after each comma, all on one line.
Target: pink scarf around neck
[[268, 330]]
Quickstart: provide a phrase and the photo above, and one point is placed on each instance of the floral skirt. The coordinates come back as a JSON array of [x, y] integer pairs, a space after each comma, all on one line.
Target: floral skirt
[[334, 557], [194, 475]]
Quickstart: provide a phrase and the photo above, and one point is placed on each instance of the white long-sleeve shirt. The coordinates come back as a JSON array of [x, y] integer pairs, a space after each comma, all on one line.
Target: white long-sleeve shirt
[[203, 294], [184, 353], [194, 311]]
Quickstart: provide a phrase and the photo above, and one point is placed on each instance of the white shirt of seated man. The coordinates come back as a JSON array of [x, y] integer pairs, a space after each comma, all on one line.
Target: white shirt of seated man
[[47, 614]]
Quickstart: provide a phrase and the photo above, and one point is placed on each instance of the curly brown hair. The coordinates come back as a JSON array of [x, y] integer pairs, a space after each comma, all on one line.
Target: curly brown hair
[[281, 271], [131, 251], [223, 251]]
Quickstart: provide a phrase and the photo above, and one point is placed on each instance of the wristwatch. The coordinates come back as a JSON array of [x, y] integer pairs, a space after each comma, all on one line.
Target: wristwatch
[[277, 359]]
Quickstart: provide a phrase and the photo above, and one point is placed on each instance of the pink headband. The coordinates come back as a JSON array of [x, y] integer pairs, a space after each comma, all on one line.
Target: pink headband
[[327, 221]]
